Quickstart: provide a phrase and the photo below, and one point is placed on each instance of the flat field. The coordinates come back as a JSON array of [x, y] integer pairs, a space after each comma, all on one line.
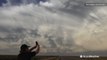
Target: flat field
[[14, 57]]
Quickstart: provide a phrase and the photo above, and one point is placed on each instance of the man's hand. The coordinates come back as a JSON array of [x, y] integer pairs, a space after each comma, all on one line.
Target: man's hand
[[37, 43], [34, 46]]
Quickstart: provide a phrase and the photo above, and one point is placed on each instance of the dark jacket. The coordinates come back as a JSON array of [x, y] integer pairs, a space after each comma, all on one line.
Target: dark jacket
[[26, 55]]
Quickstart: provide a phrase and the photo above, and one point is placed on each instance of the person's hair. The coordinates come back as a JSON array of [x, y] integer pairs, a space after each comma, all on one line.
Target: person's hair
[[23, 48]]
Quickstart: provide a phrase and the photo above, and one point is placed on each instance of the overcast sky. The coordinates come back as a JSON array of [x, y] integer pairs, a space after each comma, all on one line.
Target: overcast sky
[[60, 26]]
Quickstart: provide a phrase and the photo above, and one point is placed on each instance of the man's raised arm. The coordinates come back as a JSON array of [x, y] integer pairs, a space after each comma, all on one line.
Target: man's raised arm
[[34, 47], [38, 49]]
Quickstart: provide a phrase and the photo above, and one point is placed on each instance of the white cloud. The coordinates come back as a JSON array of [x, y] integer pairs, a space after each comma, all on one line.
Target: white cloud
[[47, 4]]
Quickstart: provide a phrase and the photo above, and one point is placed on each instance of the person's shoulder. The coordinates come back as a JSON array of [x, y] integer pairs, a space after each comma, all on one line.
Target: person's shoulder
[[22, 54], [33, 53]]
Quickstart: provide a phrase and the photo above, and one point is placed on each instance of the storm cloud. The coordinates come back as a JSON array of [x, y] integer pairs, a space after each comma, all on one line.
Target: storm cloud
[[61, 26]]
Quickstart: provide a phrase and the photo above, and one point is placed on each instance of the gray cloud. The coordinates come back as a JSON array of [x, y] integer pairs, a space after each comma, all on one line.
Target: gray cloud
[[60, 27]]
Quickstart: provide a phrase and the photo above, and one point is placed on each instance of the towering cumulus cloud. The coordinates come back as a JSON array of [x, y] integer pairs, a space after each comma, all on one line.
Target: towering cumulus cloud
[[63, 27]]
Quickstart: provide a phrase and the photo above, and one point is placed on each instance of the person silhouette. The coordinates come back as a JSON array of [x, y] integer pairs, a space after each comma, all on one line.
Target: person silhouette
[[26, 53]]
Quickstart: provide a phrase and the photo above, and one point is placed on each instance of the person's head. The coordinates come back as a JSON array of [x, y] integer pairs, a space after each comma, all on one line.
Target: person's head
[[24, 48]]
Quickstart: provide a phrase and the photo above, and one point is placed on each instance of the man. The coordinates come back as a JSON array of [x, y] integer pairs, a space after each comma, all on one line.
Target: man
[[26, 53]]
